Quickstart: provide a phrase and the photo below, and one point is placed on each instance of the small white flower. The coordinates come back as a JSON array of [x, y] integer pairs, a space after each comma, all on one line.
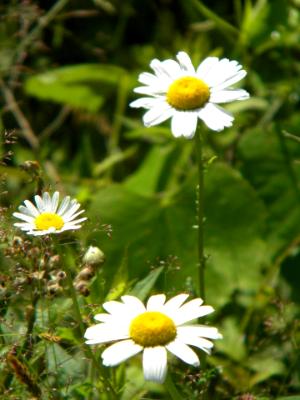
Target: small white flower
[[180, 92], [152, 329], [47, 216]]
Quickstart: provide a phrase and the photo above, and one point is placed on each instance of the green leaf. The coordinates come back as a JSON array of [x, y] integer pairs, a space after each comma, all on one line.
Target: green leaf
[[145, 181], [262, 18], [265, 365], [144, 286], [233, 343], [155, 227], [268, 163], [120, 280], [82, 86]]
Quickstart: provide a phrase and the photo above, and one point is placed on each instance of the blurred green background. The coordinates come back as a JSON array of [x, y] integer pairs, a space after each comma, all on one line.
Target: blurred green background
[[68, 69]]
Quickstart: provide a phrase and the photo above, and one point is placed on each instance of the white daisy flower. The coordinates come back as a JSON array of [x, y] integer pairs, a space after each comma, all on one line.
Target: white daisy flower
[[152, 329], [180, 92], [47, 216]]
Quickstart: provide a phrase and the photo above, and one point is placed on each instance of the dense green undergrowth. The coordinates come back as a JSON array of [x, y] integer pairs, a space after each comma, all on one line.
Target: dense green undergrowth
[[68, 70]]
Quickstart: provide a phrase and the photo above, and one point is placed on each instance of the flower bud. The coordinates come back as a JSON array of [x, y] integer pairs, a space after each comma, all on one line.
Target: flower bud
[[81, 287], [53, 288], [86, 273], [60, 275], [94, 256]]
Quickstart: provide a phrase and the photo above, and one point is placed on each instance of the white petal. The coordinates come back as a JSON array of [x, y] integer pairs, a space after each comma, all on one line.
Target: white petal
[[39, 203], [119, 352], [173, 68], [201, 343], [158, 114], [114, 307], [200, 330], [184, 352], [155, 65], [47, 201], [74, 206], [191, 311], [225, 96], [133, 304], [145, 102], [64, 205], [184, 123], [24, 226], [152, 90], [103, 317], [30, 207], [72, 217], [103, 333], [23, 217], [76, 221], [54, 202], [148, 79], [216, 118], [162, 72], [68, 227], [155, 364], [232, 80], [174, 303], [155, 303], [207, 65], [221, 71], [185, 63]]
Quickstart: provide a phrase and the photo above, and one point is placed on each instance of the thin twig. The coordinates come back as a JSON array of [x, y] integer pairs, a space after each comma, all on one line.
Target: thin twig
[[31, 37], [55, 124], [27, 131]]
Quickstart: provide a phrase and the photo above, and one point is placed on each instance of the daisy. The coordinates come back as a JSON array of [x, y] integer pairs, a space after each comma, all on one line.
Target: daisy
[[177, 91], [152, 329], [47, 216]]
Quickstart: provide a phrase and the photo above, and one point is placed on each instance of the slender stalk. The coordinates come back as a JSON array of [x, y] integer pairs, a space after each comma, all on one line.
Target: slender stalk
[[171, 388], [88, 352], [23, 122], [200, 214]]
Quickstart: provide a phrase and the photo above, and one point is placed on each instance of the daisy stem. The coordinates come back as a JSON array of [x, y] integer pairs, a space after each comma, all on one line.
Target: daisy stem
[[200, 213], [171, 388], [88, 352]]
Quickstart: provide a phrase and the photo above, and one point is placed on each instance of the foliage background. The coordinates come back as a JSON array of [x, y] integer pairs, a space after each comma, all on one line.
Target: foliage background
[[67, 73]]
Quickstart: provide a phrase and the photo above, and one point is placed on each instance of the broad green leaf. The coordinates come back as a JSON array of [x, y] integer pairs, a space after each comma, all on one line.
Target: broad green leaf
[[297, 397], [268, 163], [265, 364], [144, 286], [157, 227], [120, 280], [146, 180], [262, 18], [82, 86], [233, 342]]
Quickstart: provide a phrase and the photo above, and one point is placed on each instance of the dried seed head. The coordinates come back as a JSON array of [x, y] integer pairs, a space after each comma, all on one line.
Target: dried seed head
[[94, 256], [54, 261], [86, 273], [38, 275], [17, 241], [81, 287], [53, 287], [60, 275]]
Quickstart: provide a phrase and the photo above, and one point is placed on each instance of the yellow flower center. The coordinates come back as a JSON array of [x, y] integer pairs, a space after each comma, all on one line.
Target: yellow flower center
[[152, 328], [188, 93], [48, 220]]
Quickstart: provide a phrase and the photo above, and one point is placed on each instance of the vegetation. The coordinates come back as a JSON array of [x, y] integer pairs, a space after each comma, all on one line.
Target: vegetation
[[67, 74]]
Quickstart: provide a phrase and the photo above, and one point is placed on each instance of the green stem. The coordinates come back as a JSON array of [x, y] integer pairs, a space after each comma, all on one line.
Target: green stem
[[200, 214], [88, 352], [171, 388]]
